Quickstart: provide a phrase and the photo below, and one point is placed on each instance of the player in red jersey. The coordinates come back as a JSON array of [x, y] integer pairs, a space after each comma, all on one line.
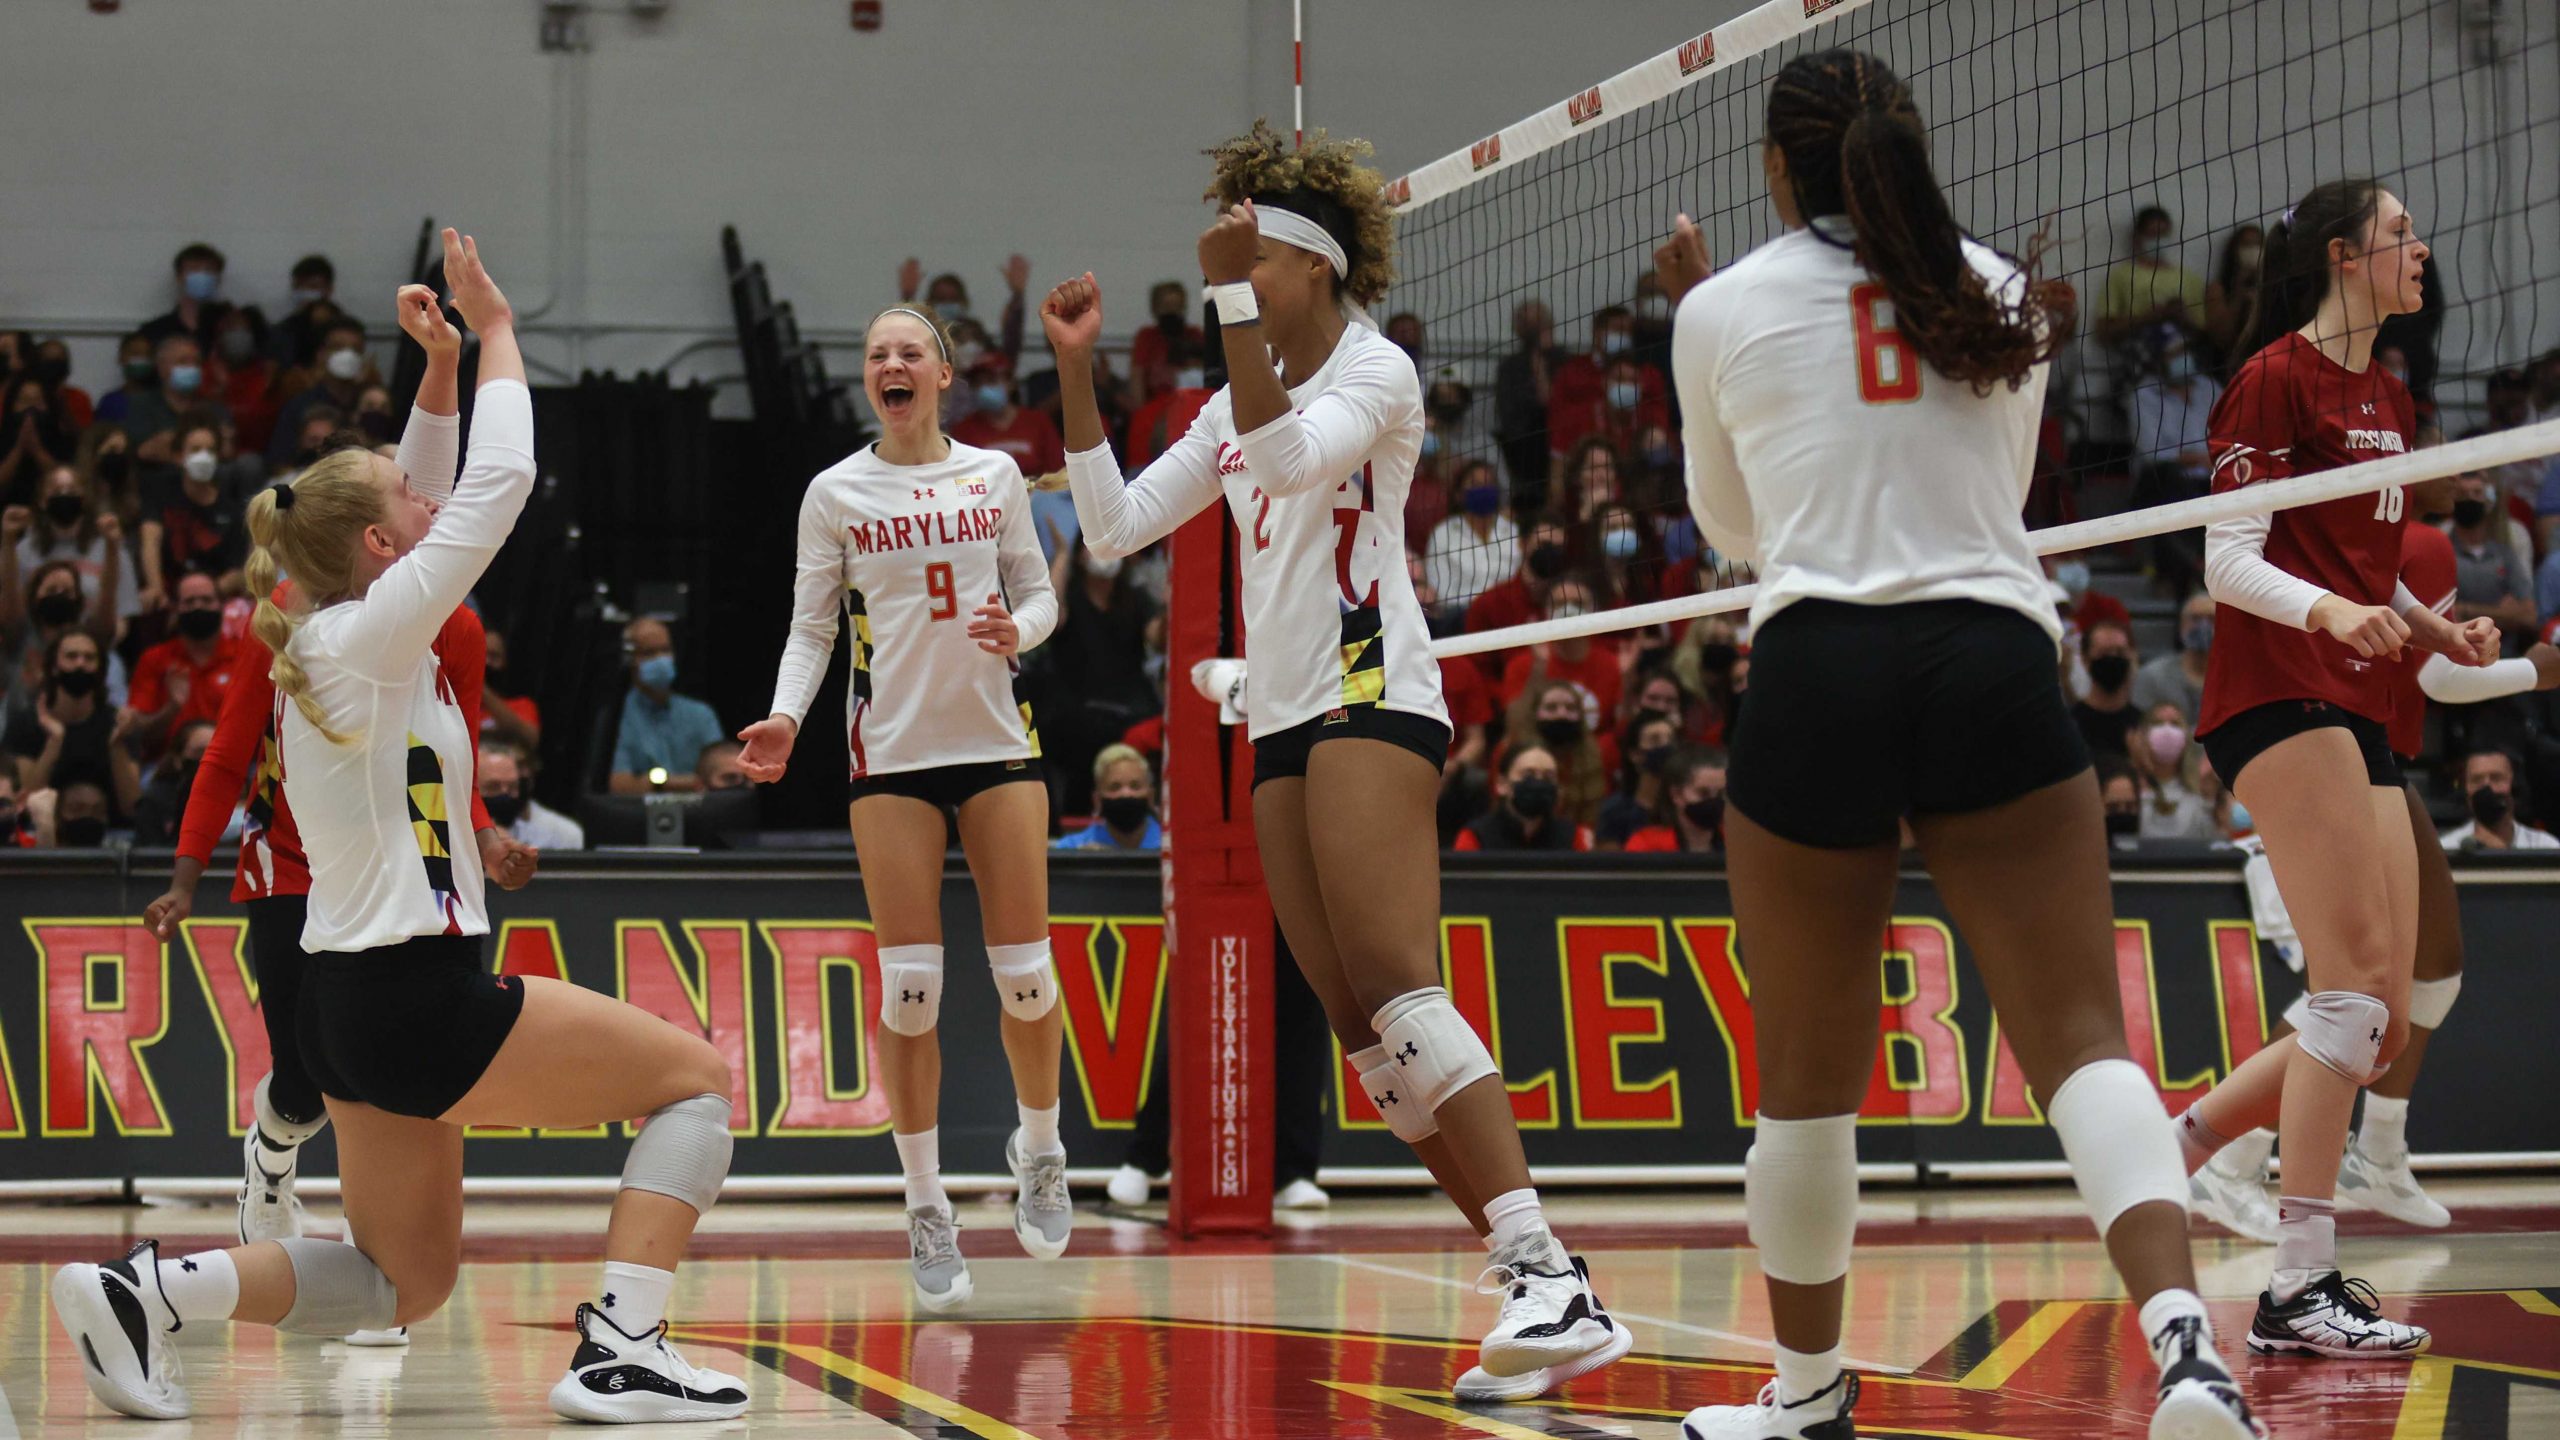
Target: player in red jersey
[[273, 879], [2375, 1173], [2297, 696]]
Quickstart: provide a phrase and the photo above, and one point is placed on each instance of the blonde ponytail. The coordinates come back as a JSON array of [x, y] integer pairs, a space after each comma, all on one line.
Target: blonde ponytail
[[310, 529]]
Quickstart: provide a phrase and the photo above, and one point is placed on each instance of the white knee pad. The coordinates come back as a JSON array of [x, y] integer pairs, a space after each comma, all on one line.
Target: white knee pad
[[1432, 1052], [1025, 981], [336, 1289], [910, 988], [2343, 1030], [1407, 1117], [682, 1151], [1800, 1196], [2117, 1138], [2431, 1000]]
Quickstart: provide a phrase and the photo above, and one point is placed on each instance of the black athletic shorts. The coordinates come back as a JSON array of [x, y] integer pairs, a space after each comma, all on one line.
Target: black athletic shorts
[[2260, 728], [950, 786], [409, 1028], [1283, 755], [275, 951], [1863, 714]]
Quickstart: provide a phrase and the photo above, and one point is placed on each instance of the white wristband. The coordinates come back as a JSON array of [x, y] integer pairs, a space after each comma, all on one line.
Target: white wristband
[[1235, 303]]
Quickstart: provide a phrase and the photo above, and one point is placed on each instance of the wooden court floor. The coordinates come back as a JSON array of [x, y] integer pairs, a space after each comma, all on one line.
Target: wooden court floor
[[1974, 1314]]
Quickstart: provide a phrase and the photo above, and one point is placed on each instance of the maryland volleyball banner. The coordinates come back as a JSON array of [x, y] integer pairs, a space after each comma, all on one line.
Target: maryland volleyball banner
[[1613, 993]]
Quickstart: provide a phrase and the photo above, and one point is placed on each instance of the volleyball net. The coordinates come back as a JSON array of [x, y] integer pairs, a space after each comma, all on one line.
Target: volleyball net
[[2141, 152]]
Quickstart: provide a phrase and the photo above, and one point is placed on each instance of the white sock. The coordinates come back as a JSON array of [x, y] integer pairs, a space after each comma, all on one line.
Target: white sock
[[1802, 1376], [2198, 1142], [920, 1157], [1511, 1214], [1039, 1129], [202, 1286], [2384, 1132], [2306, 1245], [635, 1296], [2170, 1305]]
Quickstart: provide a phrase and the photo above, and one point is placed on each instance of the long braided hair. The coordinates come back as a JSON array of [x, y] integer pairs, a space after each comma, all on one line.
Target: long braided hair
[[1855, 146]]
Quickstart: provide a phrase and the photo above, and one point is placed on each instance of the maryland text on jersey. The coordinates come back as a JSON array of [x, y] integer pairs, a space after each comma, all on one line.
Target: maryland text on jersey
[[905, 532]]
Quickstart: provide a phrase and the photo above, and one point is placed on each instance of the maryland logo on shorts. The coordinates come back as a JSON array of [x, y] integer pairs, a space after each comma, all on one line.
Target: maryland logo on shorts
[[1364, 657], [427, 814]]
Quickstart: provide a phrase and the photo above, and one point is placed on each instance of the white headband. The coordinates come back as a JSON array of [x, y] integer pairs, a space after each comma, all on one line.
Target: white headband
[[1291, 228], [929, 327]]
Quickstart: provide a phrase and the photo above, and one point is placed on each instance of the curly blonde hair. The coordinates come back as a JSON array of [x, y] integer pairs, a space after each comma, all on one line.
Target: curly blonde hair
[[1324, 181]]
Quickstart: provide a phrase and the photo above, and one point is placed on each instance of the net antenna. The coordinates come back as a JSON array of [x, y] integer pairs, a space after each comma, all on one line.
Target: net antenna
[[2065, 121]]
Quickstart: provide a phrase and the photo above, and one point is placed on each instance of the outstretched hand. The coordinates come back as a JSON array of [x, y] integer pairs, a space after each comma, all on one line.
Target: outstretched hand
[[423, 320], [1682, 264], [474, 293], [1072, 316], [766, 751]]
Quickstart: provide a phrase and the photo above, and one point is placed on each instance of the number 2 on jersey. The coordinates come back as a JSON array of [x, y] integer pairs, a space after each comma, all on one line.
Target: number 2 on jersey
[[1888, 366], [937, 583]]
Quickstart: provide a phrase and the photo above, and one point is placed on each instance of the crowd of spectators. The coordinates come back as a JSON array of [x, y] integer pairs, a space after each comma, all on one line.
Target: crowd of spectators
[[1550, 486]]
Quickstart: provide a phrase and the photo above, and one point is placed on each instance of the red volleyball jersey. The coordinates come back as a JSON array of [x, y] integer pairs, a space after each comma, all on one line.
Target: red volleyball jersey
[[2292, 411], [2427, 568]]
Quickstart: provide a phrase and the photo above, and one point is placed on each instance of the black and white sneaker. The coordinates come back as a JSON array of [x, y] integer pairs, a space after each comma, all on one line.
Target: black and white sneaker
[[120, 1323], [1550, 1319], [1823, 1415], [1480, 1386], [2198, 1398], [2334, 1316], [268, 1209], [621, 1379]]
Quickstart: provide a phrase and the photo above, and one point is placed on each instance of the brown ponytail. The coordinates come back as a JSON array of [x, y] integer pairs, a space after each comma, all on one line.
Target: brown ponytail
[[1855, 146], [2293, 274], [315, 538]]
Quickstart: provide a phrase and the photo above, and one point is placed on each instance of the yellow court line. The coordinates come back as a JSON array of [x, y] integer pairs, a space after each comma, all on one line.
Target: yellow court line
[[1447, 1414], [2423, 1404], [2012, 1354], [987, 1427], [2535, 1301]]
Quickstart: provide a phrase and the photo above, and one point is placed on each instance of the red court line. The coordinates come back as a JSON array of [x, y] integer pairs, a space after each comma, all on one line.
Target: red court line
[[1100, 1238]]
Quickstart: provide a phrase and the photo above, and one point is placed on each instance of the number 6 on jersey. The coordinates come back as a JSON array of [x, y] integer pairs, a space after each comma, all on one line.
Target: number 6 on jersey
[[1888, 366]]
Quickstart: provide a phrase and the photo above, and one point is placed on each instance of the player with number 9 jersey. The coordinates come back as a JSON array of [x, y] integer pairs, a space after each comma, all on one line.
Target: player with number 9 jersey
[[907, 554]]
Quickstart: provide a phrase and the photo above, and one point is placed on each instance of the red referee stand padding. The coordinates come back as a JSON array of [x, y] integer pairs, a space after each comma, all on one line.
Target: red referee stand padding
[[1218, 916]]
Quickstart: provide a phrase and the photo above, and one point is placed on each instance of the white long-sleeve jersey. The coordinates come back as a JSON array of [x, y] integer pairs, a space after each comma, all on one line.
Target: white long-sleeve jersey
[[908, 552], [1318, 497], [385, 817], [1822, 449]]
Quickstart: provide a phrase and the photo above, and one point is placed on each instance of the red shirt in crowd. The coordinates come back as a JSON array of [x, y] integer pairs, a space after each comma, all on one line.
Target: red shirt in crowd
[[247, 752], [2428, 568], [1499, 608], [206, 683], [1031, 438], [1597, 674], [1655, 839], [1467, 693], [1578, 403], [2097, 607], [2293, 411]]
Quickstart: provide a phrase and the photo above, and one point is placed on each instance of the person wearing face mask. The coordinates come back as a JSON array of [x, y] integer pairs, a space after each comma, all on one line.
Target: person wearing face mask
[[136, 373], [1697, 809], [1527, 813], [34, 437], [2150, 289], [2165, 757], [1153, 365], [661, 731], [2489, 793], [947, 297], [1557, 718], [243, 376], [67, 523], [1652, 311], [77, 816], [1523, 387], [196, 518], [71, 727], [17, 827], [51, 366], [1648, 749], [1124, 805], [2233, 291], [1625, 554], [183, 679], [2493, 581], [2178, 679], [336, 378], [154, 418], [50, 604], [2106, 715], [506, 791], [314, 290], [1592, 666], [995, 422], [200, 306], [1544, 554], [2169, 409], [1609, 394], [511, 714], [2088, 607], [1477, 548], [2120, 794], [164, 797]]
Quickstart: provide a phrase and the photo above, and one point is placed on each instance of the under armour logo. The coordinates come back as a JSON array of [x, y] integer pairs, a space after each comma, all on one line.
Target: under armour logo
[[608, 1300], [911, 997], [1032, 994], [1408, 1052], [1383, 1101], [187, 1265], [2376, 1037]]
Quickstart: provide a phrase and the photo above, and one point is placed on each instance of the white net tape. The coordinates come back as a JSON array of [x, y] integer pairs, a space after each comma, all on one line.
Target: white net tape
[[2481, 452]]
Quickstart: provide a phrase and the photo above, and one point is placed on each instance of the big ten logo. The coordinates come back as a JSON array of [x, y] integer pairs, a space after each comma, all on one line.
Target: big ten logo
[[973, 487], [1466, 970], [1698, 54]]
